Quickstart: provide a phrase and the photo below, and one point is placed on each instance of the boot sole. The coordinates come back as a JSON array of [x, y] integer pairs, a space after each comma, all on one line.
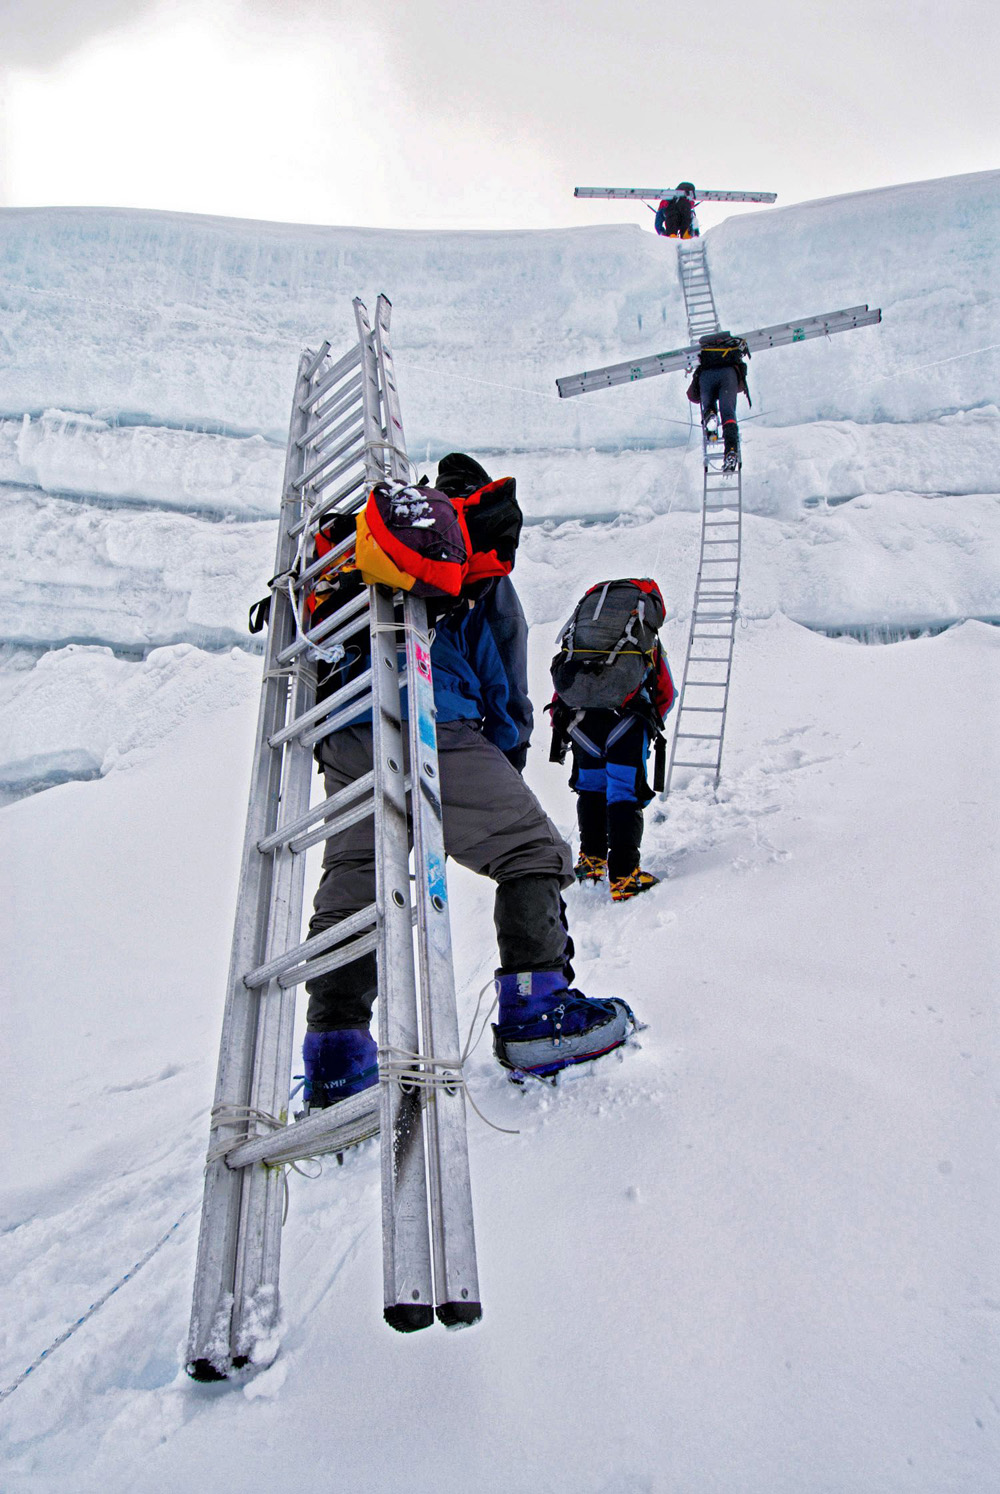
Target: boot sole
[[544, 1055]]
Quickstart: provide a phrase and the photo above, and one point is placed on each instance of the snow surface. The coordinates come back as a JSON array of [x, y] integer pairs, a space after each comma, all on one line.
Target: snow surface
[[756, 1254]]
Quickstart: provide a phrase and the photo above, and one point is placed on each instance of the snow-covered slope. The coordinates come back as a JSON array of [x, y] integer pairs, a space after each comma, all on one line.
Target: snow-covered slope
[[757, 1253]]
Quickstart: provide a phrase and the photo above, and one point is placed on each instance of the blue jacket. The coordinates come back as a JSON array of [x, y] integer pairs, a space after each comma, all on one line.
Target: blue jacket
[[479, 659]]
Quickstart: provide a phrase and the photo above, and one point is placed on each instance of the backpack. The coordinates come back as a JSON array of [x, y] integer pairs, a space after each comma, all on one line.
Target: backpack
[[490, 510], [433, 542], [722, 350], [671, 219], [413, 539], [609, 645]]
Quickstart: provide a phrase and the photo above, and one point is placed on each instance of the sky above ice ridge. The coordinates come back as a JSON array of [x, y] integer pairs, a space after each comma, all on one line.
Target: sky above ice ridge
[[417, 115]]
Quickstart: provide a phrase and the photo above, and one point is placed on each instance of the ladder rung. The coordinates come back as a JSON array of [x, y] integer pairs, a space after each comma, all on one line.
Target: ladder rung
[[334, 1129], [365, 918], [698, 736], [325, 417], [340, 800], [355, 605], [332, 827], [354, 440], [323, 449], [317, 514], [317, 360], [677, 763], [340, 368], [702, 708], [343, 956], [349, 714], [324, 562], [323, 708]]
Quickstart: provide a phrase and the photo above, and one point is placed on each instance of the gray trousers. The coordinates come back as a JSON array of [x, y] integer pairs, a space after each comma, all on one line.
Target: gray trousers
[[493, 824]]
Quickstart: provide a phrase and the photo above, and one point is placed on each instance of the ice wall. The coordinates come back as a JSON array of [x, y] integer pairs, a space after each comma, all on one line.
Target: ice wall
[[183, 320], [149, 361]]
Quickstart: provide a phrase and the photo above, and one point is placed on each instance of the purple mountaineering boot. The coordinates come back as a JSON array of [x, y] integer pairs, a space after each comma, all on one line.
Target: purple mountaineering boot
[[545, 1026], [338, 1064]]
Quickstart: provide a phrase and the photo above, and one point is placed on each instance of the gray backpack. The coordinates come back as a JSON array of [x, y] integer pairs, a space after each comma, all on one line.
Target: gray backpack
[[609, 644]]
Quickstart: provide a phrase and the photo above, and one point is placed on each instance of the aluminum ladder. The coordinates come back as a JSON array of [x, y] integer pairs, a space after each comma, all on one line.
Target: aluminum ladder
[[699, 303], [703, 698], [346, 433]]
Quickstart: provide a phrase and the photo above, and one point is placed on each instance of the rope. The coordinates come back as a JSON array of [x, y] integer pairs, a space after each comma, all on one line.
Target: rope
[[96, 1306], [235, 1115], [400, 1066], [396, 451]]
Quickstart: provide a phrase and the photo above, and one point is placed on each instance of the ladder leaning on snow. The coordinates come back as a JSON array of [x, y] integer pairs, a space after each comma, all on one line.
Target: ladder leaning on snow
[[703, 698], [346, 433], [709, 658]]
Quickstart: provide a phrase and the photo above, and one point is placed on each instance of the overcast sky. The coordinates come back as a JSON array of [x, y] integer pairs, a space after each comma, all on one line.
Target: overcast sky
[[482, 114]]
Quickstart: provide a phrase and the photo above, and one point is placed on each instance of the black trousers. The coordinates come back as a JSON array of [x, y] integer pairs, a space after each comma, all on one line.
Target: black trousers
[[719, 388], [609, 779]]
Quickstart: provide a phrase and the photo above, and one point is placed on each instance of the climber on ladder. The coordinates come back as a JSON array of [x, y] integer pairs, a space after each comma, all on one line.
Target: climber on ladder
[[675, 216], [719, 376], [493, 824]]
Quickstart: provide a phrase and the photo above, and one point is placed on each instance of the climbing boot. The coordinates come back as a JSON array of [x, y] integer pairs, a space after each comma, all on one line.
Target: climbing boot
[[622, 888], [338, 1064], [545, 1026], [590, 868]]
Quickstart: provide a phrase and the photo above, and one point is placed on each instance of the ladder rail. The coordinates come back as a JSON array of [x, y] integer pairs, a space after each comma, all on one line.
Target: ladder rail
[[211, 1345], [408, 1289], [456, 1283]]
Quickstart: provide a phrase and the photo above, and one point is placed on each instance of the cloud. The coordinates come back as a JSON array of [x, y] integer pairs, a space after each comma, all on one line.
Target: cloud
[[40, 33]]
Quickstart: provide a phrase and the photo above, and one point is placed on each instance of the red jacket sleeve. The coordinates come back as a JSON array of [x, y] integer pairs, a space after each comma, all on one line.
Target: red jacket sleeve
[[663, 687]]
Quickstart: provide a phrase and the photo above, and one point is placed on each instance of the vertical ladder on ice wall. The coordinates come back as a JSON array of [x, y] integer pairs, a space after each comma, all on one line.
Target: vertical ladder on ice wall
[[699, 303], [346, 433], [703, 698]]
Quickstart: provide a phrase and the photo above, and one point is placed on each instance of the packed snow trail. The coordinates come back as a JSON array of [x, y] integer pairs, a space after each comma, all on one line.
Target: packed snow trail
[[778, 1201]]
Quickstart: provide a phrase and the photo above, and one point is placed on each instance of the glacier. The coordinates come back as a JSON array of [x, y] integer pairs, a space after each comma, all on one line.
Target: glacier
[[755, 1255]]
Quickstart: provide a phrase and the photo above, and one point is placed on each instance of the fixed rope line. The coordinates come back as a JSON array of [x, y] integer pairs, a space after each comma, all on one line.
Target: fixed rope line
[[95, 1307]]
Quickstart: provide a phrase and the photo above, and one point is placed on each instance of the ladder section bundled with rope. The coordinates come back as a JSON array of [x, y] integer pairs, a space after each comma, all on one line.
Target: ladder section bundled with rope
[[346, 434]]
